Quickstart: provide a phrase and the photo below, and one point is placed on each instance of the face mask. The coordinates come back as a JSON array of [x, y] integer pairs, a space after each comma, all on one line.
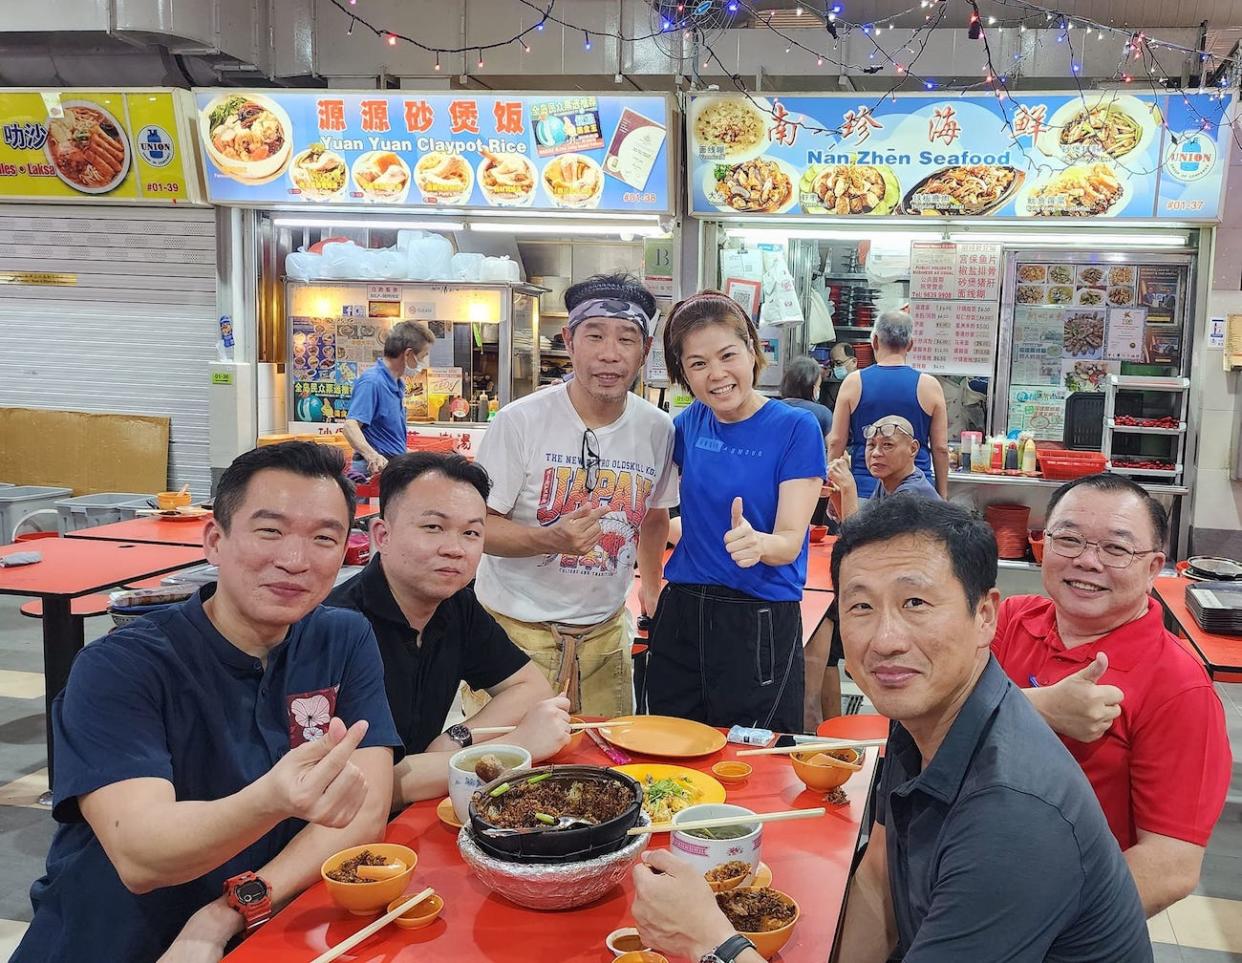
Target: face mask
[[413, 372], [839, 372]]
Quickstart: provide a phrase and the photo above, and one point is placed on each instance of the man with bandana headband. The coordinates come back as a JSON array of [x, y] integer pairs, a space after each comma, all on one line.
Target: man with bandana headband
[[582, 480]]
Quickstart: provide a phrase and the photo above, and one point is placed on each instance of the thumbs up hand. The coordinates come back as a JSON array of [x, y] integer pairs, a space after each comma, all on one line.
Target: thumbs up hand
[[743, 543], [1079, 706]]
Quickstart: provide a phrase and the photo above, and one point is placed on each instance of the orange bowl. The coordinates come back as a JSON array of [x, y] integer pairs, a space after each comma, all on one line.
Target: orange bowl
[[363, 899], [724, 885], [732, 773], [769, 944], [823, 778], [818, 533], [420, 914], [169, 500], [641, 956]]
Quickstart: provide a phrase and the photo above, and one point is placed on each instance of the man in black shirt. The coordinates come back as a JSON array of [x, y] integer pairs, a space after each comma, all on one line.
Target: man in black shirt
[[433, 633]]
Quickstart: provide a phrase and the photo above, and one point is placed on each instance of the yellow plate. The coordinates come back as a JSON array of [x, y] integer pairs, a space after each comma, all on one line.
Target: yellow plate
[[664, 736], [447, 814], [709, 790]]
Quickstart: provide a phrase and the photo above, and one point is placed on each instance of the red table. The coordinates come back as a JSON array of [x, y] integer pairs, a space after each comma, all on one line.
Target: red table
[[1221, 654], [151, 530], [159, 531], [70, 569], [819, 565], [810, 859]]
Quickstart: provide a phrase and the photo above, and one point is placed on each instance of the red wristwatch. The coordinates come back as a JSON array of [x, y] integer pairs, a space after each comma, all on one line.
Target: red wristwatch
[[249, 895]]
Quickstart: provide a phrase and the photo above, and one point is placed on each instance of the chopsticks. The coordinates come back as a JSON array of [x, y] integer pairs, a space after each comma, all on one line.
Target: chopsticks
[[728, 821], [573, 727], [826, 746], [346, 945]]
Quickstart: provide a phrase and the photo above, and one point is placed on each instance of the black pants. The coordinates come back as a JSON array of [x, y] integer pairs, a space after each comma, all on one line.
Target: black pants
[[724, 658]]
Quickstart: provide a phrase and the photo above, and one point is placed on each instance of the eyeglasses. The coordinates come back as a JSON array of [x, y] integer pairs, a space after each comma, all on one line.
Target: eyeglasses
[[1111, 554], [884, 431], [590, 459]]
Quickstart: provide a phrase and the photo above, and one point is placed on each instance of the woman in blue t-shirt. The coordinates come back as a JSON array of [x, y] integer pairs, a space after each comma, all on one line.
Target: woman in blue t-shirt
[[726, 645]]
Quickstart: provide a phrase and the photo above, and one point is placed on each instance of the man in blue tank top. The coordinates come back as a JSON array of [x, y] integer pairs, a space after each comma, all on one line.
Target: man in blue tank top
[[892, 387]]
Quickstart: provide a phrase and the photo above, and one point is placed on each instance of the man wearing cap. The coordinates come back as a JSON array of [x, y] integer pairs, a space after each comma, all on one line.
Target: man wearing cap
[[582, 480]]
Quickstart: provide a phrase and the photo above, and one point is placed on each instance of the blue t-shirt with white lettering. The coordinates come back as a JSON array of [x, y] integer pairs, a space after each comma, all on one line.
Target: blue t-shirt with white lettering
[[720, 461]]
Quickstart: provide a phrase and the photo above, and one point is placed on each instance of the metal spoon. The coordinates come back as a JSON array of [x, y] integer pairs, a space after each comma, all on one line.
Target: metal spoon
[[562, 822]]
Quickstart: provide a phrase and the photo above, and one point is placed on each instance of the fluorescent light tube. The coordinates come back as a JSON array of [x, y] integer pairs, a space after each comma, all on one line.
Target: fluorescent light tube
[[425, 224]]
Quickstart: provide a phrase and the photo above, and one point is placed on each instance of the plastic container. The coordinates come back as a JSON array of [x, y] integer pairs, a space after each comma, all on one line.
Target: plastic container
[[19, 501], [1009, 522], [1068, 465], [87, 511]]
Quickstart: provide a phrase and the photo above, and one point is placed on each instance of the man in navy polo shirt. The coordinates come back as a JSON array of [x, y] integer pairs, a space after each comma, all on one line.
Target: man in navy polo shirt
[[376, 423], [204, 750]]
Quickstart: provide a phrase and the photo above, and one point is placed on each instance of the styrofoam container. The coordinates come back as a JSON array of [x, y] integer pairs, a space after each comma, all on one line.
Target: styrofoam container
[[18, 501], [102, 508]]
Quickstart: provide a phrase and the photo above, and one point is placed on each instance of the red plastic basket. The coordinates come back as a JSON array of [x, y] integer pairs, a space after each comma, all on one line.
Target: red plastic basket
[[1068, 465]]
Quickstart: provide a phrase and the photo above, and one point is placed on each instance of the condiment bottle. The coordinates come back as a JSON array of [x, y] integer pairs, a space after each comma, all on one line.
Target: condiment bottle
[[1011, 457], [998, 458], [493, 406], [1028, 458]]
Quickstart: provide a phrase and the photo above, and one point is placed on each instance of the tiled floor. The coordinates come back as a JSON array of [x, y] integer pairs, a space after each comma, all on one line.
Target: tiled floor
[[1203, 928]]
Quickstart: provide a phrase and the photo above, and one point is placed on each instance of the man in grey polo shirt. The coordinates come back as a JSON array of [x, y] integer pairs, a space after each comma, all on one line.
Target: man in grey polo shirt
[[989, 843], [891, 452]]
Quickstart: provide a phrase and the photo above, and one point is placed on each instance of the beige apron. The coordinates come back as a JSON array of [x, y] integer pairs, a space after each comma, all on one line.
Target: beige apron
[[591, 661]]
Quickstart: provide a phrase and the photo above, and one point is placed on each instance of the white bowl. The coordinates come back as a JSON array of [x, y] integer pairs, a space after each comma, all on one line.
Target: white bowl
[[463, 783], [707, 854]]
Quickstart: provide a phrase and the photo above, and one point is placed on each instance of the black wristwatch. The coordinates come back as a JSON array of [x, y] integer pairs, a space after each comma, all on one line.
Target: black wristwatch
[[460, 734], [729, 950]]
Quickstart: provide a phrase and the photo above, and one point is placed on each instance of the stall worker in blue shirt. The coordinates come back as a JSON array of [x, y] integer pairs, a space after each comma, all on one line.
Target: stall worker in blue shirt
[[375, 426], [726, 644], [211, 756]]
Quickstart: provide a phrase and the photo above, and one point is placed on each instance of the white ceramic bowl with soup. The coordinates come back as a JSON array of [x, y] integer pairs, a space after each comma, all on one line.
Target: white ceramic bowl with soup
[[464, 781], [705, 849]]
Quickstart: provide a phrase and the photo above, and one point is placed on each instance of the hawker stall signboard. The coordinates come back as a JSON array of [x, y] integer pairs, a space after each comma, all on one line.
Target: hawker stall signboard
[[1054, 157], [545, 152], [96, 146]]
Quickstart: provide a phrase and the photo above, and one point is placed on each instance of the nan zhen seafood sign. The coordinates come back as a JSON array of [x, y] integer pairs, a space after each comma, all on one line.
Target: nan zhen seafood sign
[[112, 146], [1050, 156], [552, 152]]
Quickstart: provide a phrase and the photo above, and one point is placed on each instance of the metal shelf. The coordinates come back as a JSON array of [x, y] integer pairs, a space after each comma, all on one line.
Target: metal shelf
[[1022, 481], [1148, 383], [1017, 564], [1145, 472], [1141, 430]]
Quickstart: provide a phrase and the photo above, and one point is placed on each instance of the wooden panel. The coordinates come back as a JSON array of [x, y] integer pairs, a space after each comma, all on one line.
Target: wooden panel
[[85, 451]]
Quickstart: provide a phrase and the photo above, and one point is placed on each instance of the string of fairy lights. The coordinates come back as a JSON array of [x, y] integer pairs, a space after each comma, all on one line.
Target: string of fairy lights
[[1137, 61]]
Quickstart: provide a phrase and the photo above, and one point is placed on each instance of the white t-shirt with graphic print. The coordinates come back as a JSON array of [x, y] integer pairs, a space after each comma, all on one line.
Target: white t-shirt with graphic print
[[533, 453]]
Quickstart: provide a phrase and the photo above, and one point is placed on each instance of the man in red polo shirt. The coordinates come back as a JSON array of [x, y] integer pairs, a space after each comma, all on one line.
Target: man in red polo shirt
[[1134, 708]]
